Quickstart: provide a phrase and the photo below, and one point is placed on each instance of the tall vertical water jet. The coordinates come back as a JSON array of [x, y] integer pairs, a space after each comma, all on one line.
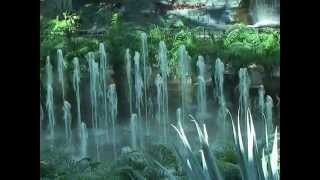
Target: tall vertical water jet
[[244, 85], [83, 140], [134, 130], [164, 71], [113, 111], [94, 92], [103, 64], [76, 88], [138, 85], [261, 103], [49, 100], [94, 87], [201, 92], [67, 121], [183, 72], [218, 91], [178, 115], [61, 71], [150, 109], [161, 106], [144, 57], [269, 115], [41, 119], [129, 79]]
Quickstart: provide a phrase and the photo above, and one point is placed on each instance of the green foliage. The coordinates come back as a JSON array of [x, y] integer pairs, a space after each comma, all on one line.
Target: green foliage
[[227, 154], [115, 20], [119, 37], [245, 45], [173, 38], [163, 155], [55, 33], [79, 47]]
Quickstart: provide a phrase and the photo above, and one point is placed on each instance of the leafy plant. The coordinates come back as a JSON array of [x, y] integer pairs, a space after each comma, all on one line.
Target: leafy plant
[[253, 165], [56, 33], [245, 45], [206, 169], [118, 39]]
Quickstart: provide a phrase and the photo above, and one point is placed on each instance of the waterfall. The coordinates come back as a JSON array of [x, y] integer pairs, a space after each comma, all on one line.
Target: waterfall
[[265, 12]]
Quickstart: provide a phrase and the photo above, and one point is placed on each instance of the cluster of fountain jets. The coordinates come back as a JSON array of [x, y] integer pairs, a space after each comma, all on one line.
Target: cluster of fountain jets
[[103, 98]]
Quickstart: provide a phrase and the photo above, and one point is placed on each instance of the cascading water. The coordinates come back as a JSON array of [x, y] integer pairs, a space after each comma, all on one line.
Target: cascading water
[[183, 68], [61, 71], [134, 130], [144, 57], [265, 12], [83, 140], [103, 64], [113, 111], [201, 92], [76, 88], [218, 91], [129, 79], [49, 100], [67, 121]]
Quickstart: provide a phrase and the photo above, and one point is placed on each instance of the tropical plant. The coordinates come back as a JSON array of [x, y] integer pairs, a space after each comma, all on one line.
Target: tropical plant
[[253, 165], [207, 169]]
